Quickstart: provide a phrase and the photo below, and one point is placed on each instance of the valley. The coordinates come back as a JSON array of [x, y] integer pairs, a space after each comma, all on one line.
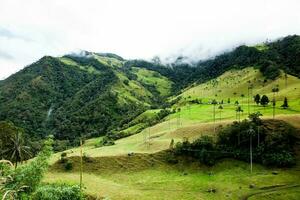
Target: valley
[[155, 131]]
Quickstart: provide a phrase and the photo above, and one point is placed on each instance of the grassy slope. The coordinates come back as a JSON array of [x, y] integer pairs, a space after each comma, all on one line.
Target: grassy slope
[[134, 91], [165, 182], [161, 83], [180, 182]]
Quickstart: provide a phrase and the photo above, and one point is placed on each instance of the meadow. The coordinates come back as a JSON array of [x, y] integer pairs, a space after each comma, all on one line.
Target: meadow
[[113, 174]]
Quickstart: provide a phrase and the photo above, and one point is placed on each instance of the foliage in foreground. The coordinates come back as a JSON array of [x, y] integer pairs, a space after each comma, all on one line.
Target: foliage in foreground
[[25, 181], [58, 192], [272, 142]]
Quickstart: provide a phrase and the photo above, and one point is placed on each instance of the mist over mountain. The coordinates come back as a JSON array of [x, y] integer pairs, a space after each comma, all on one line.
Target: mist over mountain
[[88, 94]]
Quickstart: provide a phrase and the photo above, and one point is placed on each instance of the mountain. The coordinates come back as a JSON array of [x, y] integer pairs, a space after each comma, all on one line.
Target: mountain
[[91, 94], [78, 95]]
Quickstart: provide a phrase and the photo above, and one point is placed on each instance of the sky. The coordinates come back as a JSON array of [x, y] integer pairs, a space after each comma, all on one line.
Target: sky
[[198, 29]]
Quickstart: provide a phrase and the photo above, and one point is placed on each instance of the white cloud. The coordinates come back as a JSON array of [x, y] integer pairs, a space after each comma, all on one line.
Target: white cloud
[[138, 28]]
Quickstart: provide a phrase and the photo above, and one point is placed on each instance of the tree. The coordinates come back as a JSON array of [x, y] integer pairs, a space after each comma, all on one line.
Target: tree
[[255, 118], [238, 112], [274, 90], [236, 103], [214, 103], [273, 106], [257, 99], [27, 178], [7, 130], [264, 100], [285, 103], [251, 133], [17, 150], [220, 108], [250, 87]]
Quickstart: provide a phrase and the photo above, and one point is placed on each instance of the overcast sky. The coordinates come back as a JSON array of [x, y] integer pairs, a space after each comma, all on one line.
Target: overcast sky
[[138, 28]]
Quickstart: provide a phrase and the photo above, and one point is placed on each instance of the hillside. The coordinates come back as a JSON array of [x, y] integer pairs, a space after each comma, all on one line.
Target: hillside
[[130, 113], [74, 95], [93, 94]]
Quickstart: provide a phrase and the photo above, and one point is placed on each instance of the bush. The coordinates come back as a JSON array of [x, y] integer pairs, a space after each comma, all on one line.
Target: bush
[[274, 149], [58, 192], [26, 178], [206, 150], [203, 149], [275, 146], [171, 158], [63, 157], [106, 141], [87, 158], [68, 165], [279, 159]]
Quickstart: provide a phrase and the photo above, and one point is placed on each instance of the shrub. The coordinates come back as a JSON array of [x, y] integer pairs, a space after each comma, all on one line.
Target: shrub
[[63, 157], [68, 165], [275, 146], [26, 178], [279, 159], [171, 158], [203, 149], [106, 141], [87, 158], [58, 192]]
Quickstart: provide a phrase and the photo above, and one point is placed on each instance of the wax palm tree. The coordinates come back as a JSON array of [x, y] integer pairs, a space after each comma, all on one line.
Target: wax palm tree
[[238, 111], [220, 108], [17, 151], [214, 103], [274, 90]]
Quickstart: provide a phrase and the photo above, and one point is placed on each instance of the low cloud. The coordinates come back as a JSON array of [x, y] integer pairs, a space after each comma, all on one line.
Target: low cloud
[[5, 33], [5, 56]]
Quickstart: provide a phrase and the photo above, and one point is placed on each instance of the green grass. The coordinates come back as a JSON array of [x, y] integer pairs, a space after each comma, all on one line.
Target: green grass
[[161, 83], [117, 176], [232, 85], [88, 69], [230, 178]]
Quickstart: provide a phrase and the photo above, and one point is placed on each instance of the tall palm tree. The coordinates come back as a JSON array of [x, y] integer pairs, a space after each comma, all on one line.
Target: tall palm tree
[[220, 108], [274, 90], [238, 111], [214, 103], [17, 150]]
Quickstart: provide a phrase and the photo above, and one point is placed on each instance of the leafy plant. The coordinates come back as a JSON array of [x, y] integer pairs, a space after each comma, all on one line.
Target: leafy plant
[[25, 179], [58, 192]]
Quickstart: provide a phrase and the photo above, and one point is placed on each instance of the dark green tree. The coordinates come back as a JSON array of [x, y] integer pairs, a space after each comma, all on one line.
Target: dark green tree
[[285, 103], [239, 110], [220, 108], [264, 101], [257, 99], [214, 103]]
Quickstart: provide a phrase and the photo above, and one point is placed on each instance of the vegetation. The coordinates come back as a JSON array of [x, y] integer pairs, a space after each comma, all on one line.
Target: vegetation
[[25, 181], [58, 192], [12, 143], [273, 143], [134, 109]]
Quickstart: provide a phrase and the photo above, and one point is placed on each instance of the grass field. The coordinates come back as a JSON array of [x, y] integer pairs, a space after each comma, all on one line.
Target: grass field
[[115, 175], [122, 179]]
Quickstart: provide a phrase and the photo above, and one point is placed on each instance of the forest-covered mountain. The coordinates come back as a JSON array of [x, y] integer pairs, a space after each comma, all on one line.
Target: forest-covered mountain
[[91, 94], [73, 96]]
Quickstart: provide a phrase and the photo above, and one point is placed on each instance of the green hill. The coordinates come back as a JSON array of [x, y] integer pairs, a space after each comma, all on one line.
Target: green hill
[[94, 94], [74, 96]]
